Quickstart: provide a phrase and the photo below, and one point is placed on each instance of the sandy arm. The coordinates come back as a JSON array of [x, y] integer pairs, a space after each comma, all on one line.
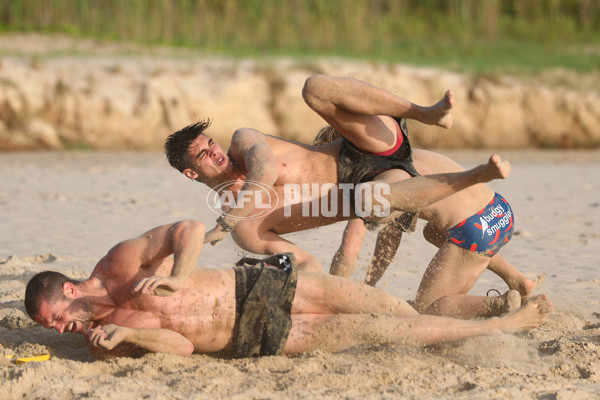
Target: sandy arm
[[183, 239], [249, 147], [111, 340]]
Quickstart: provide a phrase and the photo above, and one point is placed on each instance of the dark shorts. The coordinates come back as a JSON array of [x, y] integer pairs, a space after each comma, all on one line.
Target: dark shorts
[[487, 231], [264, 294], [354, 166]]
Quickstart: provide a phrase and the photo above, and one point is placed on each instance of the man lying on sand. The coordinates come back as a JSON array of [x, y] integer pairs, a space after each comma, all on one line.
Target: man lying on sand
[[267, 309], [255, 160]]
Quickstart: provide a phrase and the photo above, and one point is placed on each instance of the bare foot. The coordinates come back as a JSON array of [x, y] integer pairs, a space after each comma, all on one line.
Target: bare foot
[[528, 316], [526, 286], [439, 113], [496, 168], [511, 300]]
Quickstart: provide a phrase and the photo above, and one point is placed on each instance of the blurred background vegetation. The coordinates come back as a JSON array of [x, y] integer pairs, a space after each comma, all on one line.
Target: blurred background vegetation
[[478, 35]]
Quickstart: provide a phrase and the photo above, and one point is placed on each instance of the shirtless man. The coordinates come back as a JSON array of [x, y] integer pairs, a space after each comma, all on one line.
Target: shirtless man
[[469, 227], [389, 237], [139, 299], [255, 160]]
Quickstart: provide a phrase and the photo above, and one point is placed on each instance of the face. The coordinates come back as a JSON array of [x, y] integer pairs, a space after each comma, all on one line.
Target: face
[[208, 160], [65, 315]]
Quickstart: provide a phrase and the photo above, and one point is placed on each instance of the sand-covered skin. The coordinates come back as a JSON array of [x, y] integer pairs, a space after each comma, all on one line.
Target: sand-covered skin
[[63, 211]]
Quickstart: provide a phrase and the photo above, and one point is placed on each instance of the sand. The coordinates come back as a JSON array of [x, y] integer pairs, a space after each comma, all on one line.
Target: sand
[[64, 210]]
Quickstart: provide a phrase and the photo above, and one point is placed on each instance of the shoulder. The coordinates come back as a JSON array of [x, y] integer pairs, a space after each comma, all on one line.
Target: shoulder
[[121, 259], [246, 136]]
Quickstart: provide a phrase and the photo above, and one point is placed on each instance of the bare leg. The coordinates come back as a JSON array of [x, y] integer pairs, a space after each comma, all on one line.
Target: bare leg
[[439, 113], [344, 259], [513, 277], [421, 191], [498, 265], [329, 95], [338, 332], [328, 294], [450, 275]]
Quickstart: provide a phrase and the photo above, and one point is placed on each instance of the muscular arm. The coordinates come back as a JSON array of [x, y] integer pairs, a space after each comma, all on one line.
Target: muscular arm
[[116, 341], [248, 148], [267, 242], [184, 240]]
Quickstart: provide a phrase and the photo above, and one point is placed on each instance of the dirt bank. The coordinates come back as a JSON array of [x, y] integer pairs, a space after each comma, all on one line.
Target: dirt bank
[[57, 92]]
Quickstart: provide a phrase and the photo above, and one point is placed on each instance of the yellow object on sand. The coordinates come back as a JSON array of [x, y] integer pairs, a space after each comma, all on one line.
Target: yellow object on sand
[[37, 357]]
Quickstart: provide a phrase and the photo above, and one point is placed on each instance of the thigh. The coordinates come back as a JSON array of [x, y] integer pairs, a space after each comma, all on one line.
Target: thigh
[[369, 133], [451, 271], [334, 332], [328, 294], [306, 333]]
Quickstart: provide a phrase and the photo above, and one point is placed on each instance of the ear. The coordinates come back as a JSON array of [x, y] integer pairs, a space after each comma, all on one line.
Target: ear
[[190, 173], [69, 290]]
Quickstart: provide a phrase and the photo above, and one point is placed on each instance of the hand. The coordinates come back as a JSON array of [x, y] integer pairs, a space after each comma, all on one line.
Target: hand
[[108, 336], [215, 235], [158, 285]]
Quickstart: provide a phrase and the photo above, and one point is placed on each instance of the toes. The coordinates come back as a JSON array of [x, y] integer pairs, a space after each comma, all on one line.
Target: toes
[[537, 299]]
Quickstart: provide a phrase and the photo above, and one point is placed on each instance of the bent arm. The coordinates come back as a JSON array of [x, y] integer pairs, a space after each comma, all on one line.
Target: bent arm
[[187, 241], [267, 242], [117, 341], [250, 149], [184, 240]]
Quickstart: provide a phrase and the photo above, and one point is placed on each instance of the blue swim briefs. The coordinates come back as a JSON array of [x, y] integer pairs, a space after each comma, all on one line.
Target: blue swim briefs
[[486, 231]]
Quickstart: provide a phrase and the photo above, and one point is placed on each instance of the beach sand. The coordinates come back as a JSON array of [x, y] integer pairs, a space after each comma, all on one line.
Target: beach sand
[[64, 210]]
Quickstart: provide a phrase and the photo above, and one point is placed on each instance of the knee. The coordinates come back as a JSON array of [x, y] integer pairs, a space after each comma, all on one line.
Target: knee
[[433, 308], [313, 92]]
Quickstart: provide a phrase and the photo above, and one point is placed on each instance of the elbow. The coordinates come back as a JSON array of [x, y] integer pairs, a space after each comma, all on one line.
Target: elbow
[[188, 228], [187, 350], [198, 226], [193, 225]]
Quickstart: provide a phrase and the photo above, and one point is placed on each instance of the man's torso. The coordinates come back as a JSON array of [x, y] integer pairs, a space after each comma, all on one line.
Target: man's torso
[[203, 310]]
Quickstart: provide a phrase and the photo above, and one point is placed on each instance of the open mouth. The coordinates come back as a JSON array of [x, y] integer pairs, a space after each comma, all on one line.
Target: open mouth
[[72, 327]]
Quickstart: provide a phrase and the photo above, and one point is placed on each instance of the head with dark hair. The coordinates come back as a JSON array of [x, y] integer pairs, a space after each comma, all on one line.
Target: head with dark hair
[[45, 286], [177, 144]]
